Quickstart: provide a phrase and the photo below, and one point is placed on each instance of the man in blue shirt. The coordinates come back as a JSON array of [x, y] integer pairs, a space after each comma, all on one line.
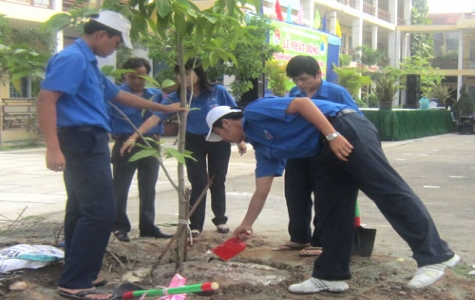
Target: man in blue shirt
[[349, 158], [74, 121], [307, 76], [148, 167]]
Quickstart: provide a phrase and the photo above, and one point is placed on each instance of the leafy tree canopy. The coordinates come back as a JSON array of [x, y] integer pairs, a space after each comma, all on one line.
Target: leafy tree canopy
[[422, 44]]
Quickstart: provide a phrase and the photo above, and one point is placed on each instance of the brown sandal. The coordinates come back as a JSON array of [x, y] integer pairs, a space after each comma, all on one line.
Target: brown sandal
[[291, 246]]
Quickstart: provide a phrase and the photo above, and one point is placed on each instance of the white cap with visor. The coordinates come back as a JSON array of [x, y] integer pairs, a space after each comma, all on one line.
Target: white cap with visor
[[116, 21], [213, 115]]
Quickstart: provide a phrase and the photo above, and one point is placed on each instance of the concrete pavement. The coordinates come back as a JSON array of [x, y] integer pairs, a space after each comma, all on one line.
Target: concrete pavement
[[440, 169]]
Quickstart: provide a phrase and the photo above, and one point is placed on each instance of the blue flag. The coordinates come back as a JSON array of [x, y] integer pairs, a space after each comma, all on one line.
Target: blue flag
[[324, 23], [289, 14]]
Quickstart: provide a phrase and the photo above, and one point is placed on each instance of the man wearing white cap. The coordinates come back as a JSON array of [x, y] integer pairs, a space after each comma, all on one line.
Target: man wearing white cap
[[73, 118]]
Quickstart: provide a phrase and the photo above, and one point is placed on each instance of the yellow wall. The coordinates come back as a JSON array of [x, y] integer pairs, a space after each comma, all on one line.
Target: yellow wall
[[25, 12], [16, 135]]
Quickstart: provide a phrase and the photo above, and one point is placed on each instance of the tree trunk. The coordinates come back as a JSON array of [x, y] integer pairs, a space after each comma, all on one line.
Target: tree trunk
[[182, 201]]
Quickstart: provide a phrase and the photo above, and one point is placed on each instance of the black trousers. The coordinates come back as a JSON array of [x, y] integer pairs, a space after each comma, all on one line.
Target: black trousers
[[147, 175], [299, 187], [90, 207], [337, 184], [212, 158]]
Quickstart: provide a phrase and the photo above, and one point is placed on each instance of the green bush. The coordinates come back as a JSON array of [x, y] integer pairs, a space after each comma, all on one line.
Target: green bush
[[465, 105]]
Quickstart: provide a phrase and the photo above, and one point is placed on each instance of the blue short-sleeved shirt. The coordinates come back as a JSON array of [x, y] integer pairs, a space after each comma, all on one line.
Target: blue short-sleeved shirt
[[136, 115], [204, 103], [84, 88], [276, 135], [330, 92]]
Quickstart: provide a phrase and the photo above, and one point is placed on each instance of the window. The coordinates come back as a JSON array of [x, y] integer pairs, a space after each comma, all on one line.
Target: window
[[471, 91], [25, 86], [472, 50], [438, 43], [452, 41]]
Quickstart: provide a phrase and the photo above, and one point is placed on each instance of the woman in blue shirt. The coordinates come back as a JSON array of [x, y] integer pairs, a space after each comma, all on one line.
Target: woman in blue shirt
[[211, 159]]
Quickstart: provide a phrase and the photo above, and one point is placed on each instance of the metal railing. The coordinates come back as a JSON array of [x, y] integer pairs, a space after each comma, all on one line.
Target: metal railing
[[17, 113]]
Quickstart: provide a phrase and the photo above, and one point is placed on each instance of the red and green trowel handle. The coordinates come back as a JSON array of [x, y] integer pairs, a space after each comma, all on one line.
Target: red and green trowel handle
[[357, 215]]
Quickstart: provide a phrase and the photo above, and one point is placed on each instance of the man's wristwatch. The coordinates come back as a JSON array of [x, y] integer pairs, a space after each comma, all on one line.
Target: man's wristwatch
[[332, 136]]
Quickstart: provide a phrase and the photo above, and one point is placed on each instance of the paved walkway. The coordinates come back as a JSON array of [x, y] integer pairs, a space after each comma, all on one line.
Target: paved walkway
[[440, 169]]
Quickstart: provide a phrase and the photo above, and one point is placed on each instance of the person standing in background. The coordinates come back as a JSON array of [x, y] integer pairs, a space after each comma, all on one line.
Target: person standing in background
[[307, 76], [211, 159], [148, 167], [74, 121]]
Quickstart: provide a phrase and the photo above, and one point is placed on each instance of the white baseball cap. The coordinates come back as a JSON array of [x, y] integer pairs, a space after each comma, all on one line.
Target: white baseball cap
[[116, 21], [213, 115]]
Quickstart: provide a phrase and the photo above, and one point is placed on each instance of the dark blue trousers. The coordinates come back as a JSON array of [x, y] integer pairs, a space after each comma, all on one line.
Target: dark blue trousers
[[337, 184], [299, 187], [212, 158], [90, 206], [147, 175]]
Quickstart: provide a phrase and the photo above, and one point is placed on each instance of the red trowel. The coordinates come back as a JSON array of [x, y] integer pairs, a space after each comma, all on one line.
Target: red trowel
[[229, 248]]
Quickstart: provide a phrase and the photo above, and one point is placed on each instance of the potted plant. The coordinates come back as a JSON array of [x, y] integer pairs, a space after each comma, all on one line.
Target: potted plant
[[385, 89], [463, 112], [442, 94]]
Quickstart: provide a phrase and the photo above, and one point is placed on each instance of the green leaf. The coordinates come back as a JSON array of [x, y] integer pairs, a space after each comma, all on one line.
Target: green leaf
[[144, 153], [180, 157], [58, 22], [164, 7]]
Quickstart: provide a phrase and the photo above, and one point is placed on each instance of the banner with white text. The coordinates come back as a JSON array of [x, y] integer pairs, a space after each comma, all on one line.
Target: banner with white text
[[300, 40]]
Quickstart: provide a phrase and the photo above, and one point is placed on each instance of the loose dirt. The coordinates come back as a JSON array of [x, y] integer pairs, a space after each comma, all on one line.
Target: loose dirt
[[258, 273]]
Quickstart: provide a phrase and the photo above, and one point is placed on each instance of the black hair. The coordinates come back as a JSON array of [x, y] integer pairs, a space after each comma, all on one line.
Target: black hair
[[196, 65], [93, 26], [300, 64], [233, 116], [137, 62]]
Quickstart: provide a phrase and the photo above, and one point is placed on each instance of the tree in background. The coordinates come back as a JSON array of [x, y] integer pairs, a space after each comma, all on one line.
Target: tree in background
[[422, 44], [24, 53], [250, 53]]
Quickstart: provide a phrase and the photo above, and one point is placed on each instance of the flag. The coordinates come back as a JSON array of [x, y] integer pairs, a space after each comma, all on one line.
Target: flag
[[338, 29], [300, 15], [324, 23], [316, 19], [289, 14], [278, 11]]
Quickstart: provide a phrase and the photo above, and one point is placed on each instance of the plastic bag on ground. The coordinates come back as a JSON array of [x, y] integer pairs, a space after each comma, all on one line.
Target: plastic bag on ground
[[24, 256]]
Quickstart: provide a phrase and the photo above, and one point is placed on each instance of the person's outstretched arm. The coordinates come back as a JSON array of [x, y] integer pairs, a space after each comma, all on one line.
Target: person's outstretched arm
[[151, 122], [263, 186], [136, 101]]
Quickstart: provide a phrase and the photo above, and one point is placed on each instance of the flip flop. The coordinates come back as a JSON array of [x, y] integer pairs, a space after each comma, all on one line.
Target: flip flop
[[100, 283], [84, 294], [311, 251], [291, 246]]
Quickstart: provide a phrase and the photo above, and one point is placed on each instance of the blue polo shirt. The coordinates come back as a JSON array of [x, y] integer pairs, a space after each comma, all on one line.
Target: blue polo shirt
[[330, 92], [276, 135], [136, 115], [202, 105], [84, 88]]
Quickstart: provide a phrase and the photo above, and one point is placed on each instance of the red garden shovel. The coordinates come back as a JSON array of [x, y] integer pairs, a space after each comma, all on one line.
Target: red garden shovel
[[229, 248], [364, 237]]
